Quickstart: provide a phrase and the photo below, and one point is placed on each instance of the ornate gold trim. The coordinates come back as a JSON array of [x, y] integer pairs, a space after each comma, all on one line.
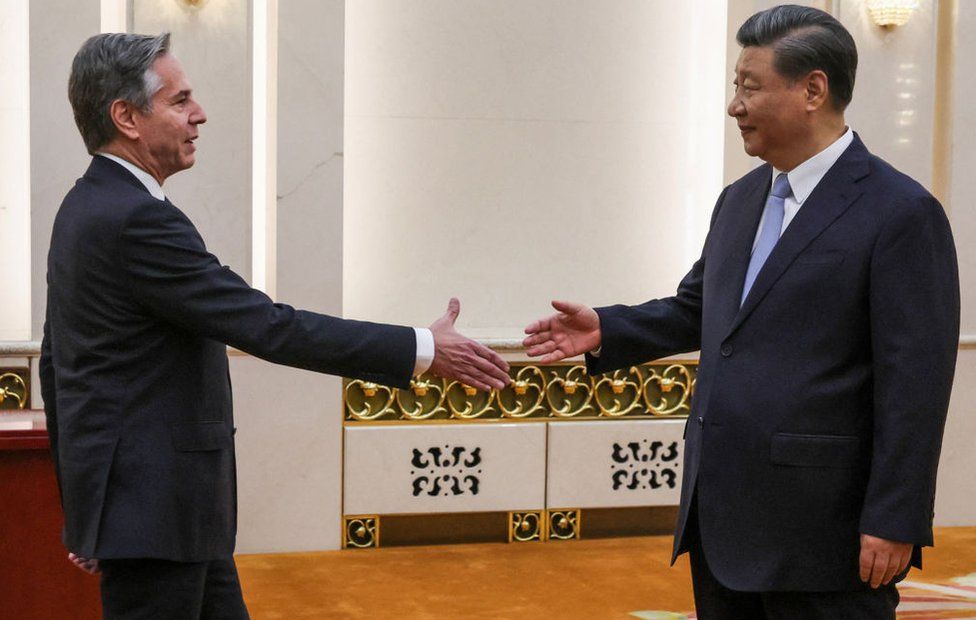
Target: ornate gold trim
[[14, 388], [564, 524], [361, 532], [537, 392], [527, 526]]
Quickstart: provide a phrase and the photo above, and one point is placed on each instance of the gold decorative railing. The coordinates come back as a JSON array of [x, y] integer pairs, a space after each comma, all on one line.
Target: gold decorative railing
[[14, 388], [558, 391]]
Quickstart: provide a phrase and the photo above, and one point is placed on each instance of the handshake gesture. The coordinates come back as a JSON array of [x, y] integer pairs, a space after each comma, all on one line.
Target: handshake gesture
[[573, 330], [458, 357]]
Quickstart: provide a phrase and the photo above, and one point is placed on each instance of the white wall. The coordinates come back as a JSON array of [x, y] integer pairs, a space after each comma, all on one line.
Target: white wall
[[290, 421], [894, 97], [509, 152], [58, 155], [213, 45], [15, 232], [957, 485]]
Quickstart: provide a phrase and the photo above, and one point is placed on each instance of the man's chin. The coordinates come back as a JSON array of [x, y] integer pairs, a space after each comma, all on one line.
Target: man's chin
[[751, 149]]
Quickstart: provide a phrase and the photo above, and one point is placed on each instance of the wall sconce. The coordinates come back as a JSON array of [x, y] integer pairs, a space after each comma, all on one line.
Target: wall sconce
[[891, 13], [192, 4]]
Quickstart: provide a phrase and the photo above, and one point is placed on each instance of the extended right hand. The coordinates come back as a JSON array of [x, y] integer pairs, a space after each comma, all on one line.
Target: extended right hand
[[573, 331], [458, 357]]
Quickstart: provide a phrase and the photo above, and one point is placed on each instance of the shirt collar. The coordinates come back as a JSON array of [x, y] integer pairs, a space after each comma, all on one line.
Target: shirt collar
[[805, 177], [152, 186]]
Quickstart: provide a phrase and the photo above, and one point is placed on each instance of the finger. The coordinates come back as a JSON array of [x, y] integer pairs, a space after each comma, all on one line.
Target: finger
[[567, 307], [489, 373], [891, 570], [879, 568], [475, 383], [866, 564], [538, 326], [538, 338], [453, 309], [495, 359], [555, 356], [541, 349], [905, 559]]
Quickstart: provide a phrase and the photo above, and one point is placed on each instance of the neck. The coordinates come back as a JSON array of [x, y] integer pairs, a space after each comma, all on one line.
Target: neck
[[134, 156], [820, 137]]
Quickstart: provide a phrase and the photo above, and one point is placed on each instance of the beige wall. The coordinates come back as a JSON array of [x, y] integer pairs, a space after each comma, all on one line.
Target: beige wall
[[290, 421], [15, 228], [213, 45], [957, 485], [512, 152], [58, 155]]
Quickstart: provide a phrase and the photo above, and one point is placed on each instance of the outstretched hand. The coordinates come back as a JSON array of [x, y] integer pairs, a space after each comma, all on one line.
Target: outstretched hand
[[463, 359], [574, 330]]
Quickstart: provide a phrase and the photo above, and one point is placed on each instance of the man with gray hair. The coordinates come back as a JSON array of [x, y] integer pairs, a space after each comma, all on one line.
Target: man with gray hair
[[826, 287], [134, 368]]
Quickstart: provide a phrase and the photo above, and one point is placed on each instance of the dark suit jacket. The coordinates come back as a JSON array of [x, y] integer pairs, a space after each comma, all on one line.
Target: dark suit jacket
[[135, 378], [820, 403]]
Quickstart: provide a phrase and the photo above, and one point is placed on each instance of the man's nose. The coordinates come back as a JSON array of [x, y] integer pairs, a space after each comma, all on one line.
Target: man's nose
[[735, 107], [199, 116]]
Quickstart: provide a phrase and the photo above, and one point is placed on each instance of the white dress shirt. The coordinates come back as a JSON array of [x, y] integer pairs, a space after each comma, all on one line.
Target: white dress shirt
[[152, 186], [805, 178], [425, 339]]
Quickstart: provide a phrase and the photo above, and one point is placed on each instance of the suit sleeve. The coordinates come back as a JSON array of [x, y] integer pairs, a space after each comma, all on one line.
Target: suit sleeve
[[49, 392], [175, 278], [914, 313], [657, 328]]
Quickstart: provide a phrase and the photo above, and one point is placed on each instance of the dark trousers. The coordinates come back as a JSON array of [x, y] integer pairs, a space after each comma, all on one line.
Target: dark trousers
[[164, 590], [713, 601]]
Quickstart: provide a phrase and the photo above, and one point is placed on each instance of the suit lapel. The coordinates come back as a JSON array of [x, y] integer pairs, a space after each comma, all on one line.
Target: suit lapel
[[833, 195], [736, 248]]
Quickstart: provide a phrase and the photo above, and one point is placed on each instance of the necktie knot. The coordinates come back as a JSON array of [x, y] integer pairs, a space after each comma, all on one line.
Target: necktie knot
[[781, 186]]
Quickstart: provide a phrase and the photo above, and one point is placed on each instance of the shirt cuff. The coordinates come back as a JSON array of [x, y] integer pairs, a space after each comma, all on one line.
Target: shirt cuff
[[425, 350]]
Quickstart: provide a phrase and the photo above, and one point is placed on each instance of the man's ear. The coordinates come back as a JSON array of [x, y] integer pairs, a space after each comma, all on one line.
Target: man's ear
[[123, 113], [817, 90]]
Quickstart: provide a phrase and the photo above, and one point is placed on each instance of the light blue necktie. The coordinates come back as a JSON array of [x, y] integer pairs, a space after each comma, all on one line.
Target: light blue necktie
[[771, 229]]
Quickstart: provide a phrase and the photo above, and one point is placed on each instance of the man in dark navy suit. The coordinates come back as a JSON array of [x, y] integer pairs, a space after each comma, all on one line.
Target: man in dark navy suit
[[825, 305], [134, 366]]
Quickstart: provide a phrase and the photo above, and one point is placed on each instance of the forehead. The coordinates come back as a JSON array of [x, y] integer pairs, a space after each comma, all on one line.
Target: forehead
[[170, 72], [755, 61]]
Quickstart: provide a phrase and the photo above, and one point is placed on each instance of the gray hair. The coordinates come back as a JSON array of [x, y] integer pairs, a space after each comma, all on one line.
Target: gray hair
[[109, 67], [805, 39]]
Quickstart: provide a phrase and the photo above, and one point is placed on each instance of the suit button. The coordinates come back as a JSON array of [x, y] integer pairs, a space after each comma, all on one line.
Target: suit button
[[701, 421], [726, 350]]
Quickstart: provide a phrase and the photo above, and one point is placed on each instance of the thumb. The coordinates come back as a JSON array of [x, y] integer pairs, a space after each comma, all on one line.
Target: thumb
[[453, 309], [567, 307]]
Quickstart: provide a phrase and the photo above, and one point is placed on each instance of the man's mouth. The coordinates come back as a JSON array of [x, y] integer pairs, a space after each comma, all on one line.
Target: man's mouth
[[746, 128]]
